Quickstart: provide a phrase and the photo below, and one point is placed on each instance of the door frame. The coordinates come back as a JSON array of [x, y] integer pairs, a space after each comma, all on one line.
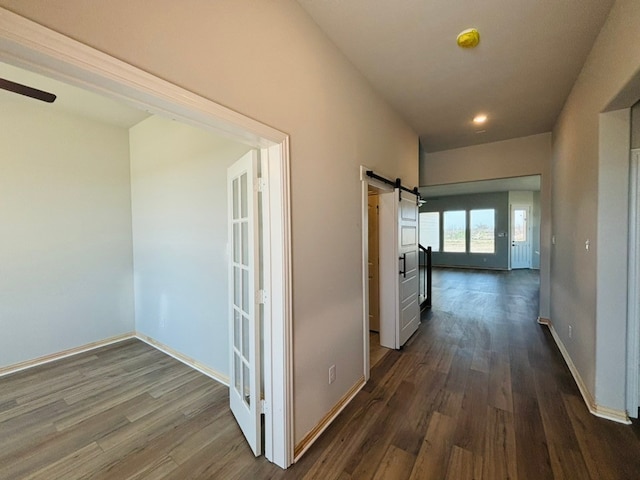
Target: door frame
[[512, 207], [633, 297], [388, 264], [29, 45]]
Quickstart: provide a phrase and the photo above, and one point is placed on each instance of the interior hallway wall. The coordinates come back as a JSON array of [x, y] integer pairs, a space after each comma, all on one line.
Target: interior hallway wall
[[635, 124], [65, 242], [528, 198], [179, 213], [590, 198], [535, 231]]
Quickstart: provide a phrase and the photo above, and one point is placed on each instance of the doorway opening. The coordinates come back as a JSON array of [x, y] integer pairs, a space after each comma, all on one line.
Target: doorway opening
[[524, 229], [390, 270], [377, 241], [376, 350]]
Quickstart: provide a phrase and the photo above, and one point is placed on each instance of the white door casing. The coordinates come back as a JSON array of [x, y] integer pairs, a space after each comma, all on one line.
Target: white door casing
[[520, 236], [633, 298], [244, 328], [408, 318]]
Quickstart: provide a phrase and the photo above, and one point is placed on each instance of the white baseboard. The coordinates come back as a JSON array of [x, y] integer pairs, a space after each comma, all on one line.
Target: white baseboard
[[16, 367], [601, 411], [544, 321], [209, 372], [324, 423]]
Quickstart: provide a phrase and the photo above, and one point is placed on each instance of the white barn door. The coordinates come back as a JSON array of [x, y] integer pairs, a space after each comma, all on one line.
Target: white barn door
[[244, 378], [408, 282]]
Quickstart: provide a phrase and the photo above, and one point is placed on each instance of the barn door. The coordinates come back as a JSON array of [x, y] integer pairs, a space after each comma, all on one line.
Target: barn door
[[244, 378], [408, 318]]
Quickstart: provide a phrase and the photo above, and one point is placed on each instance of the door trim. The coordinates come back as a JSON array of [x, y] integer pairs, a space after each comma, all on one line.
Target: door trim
[[513, 206], [633, 298], [27, 44], [385, 225]]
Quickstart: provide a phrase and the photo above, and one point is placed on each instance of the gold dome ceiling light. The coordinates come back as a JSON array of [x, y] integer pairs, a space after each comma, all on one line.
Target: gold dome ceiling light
[[468, 38]]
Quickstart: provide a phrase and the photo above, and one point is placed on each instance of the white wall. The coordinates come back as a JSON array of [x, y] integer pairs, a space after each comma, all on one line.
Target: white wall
[[535, 236], [510, 158], [612, 243], [635, 124], [65, 231], [517, 157], [179, 205], [270, 61], [590, 189]]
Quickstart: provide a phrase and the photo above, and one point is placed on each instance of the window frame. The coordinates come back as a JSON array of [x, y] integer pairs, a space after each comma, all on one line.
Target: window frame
[[465, 230], [470, 229]]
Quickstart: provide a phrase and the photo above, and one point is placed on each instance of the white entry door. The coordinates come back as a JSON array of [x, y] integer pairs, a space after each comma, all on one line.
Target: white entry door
[[520, 236], [244, 378], [408, 281]]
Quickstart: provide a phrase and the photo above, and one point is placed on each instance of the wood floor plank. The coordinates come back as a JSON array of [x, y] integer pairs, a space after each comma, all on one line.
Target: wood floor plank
[[395, 463], [433, 458], [568, 464], [481, 360], [464, 465], [604, 445], [65, 467], [500, 393], [411, 430], [499, 459], [380, 436], [471, 419], [158, 471], [531, 442], [50, 448], [201, 439], [349, 440], [332, 462]]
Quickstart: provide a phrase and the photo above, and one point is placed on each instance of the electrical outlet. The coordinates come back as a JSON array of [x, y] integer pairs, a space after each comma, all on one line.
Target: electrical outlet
[[570, 331], [587, 244], [332, 374]]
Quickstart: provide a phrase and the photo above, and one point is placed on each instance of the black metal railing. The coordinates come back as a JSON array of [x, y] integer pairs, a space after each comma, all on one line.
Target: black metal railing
[[425, 276]]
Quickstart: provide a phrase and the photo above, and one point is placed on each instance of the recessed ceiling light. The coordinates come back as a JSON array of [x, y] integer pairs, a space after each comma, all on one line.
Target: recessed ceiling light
[[479, 119]]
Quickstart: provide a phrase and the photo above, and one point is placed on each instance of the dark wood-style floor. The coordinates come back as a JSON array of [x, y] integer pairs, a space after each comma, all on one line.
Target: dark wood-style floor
[[480, 392]]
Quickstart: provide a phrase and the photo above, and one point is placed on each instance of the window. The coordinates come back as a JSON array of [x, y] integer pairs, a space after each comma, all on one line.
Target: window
[[483, 231], [430, 230], [454, 231]]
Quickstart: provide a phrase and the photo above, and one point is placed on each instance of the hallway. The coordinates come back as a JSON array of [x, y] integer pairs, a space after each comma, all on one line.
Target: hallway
[[480, 391]]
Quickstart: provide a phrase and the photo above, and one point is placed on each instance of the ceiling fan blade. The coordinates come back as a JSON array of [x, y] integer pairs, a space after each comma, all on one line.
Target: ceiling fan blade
[[27, 91]]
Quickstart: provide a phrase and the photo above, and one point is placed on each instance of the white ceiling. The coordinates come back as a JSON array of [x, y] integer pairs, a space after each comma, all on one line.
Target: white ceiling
[[72, 99], [529, 56], [529, 183]]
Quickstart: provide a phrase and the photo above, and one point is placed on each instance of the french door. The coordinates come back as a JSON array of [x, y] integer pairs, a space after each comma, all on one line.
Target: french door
[[244, 378]]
